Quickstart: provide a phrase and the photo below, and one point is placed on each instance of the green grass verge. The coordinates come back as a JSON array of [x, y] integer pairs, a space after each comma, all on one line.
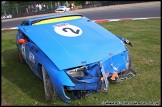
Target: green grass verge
[[21, 87]]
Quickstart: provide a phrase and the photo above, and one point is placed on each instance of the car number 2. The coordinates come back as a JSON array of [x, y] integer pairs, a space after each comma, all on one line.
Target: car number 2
[[67, 30]]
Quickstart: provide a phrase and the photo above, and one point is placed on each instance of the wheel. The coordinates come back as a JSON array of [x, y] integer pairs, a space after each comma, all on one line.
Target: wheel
[[20, 57], [48, 88]]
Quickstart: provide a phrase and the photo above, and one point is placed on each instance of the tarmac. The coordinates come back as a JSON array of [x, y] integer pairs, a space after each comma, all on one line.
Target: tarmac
[[154, 3]]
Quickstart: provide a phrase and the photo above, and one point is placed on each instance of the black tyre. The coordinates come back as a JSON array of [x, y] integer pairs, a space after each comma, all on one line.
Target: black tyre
[[48, 87]]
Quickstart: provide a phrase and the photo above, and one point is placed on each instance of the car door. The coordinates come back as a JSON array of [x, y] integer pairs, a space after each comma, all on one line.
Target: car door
[[28, 51], [31, 51]]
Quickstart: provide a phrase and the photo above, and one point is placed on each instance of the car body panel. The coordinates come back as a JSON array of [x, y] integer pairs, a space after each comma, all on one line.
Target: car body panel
[[68, 47], [34, 56]]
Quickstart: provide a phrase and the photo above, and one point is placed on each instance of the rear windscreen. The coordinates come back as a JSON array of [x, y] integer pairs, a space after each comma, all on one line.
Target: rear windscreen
[[59, 19]]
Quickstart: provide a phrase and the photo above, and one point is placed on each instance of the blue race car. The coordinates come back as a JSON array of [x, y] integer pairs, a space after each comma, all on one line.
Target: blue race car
[[72, 54]]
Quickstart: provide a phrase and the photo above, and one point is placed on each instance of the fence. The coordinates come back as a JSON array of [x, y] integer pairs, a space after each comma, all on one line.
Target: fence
[[31, 8], [44, 7]]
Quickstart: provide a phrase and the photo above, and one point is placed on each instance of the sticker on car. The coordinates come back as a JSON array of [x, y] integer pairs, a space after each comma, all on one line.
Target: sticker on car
[[23, 51], [31, 57], [68, 30]]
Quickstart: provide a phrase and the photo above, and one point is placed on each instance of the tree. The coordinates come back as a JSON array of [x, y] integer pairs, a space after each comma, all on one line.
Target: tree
[[79, 3]]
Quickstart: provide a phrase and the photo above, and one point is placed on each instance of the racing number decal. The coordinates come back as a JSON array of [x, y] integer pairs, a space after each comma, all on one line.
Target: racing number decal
[[68, 30], [23, 51], [76, 32]]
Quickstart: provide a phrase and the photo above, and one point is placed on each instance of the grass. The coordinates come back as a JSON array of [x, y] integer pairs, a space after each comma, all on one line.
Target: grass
[[21, 87]]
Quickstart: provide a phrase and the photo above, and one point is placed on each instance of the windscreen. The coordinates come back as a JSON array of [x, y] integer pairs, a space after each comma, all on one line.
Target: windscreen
[[59, 19]]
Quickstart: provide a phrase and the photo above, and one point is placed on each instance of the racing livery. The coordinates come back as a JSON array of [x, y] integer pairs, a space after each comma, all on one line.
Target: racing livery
[[73, 54]]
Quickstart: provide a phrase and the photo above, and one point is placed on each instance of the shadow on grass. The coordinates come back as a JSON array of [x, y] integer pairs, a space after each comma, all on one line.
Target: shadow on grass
[[22, 77]]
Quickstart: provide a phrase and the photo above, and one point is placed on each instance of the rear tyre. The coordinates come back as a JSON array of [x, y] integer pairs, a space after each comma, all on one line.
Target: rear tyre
[[48, 88]]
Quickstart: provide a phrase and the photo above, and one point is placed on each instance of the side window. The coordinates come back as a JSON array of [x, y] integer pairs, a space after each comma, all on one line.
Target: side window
[[25, 23], [26, 38], [21, 35]]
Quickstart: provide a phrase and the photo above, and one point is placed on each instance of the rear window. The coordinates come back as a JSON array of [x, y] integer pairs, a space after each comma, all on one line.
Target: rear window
[[59, 19]]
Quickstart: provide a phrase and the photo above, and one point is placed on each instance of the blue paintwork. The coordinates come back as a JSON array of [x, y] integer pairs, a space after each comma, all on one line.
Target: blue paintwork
[[93, 45], [96, 48]]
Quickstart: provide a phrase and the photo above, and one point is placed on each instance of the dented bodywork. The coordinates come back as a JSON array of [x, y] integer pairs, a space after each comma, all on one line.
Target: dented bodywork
[[79, 55]]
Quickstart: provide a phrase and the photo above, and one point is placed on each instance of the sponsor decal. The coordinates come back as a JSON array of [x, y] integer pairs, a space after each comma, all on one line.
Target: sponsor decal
[[31, 57], [23, 51]]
